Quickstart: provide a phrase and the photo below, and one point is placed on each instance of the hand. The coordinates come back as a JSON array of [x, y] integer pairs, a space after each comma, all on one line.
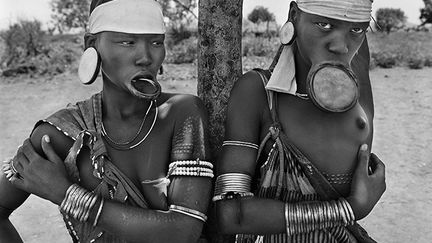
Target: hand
[[368, 183], [46, 178]]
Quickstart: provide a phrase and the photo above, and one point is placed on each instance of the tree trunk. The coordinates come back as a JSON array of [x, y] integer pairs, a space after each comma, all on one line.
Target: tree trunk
[[219, 60], [219, 65]]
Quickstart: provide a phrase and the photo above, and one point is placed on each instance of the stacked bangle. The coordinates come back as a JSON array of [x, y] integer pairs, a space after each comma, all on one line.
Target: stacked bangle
[[310, 216], [232, 185], [78, 203], [191, 168], [240, 143]]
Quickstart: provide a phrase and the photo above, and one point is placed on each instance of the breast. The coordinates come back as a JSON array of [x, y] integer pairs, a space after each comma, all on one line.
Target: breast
[[329, 140]]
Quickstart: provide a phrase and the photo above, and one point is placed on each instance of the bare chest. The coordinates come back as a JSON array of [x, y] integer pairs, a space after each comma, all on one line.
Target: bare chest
[[146, 162], [329, 140]]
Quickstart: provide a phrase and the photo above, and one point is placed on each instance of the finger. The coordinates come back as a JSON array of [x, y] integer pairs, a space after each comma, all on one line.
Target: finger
[[363, 159], [8, 174], [5, 166], [17, 181], [49, 151], [29, 151], [379, 167], [20, 162], [373, 161]]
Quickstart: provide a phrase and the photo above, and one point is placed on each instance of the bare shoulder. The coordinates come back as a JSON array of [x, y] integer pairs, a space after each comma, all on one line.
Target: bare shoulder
[[248, 98], [61, 143], [181, 106], [249, 87]]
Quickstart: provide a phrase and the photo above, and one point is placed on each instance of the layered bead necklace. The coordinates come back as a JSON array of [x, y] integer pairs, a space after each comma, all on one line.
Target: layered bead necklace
[[128, 144]]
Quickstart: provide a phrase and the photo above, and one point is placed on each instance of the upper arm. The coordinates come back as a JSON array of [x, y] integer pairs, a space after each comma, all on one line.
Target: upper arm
[[60, 142], [360, 65], [246, 107], [190, 142]]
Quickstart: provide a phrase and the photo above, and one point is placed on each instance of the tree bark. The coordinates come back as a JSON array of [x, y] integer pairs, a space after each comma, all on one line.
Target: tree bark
[[219, 66], [219, 60]]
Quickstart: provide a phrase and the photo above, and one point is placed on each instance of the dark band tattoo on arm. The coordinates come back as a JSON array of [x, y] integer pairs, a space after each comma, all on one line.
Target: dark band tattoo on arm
[[189, 142]]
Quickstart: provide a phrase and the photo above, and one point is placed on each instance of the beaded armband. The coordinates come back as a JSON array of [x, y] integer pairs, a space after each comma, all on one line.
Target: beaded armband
[[307, 217], [189, 212], [232, 185], [78, 203], [240, 143], [191, 168]]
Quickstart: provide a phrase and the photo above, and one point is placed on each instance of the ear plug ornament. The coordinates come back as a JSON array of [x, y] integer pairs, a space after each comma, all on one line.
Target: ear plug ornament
[[89, 66], [286, 33]]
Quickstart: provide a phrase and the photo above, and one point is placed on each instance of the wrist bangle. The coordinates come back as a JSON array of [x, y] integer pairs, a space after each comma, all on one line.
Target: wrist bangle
[[78, 202], [309, 216]]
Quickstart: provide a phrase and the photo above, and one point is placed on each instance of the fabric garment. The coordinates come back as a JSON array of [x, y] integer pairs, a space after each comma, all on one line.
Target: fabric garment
[[346, 10], [127, 16], [283, 78], [285, 175], [82, 123]]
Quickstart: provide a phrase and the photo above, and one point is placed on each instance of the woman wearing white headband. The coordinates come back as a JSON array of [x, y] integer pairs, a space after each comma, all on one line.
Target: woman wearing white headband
[[296, 165], [131, 163]]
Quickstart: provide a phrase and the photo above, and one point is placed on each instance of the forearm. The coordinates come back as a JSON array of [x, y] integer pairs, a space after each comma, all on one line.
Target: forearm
[[266, 216], [10, 199], [251, 215], [145, 225], [8, 232]]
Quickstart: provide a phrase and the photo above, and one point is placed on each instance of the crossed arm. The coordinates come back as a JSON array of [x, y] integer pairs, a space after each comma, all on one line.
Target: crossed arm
[[46, 177], [246, 109]]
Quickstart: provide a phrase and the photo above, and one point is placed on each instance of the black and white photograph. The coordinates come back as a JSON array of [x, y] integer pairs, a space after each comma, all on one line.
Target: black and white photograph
[[215, 121]]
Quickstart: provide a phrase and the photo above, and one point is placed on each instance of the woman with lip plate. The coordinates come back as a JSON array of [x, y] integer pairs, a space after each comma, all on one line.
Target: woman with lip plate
[[132, 161], [296, 165]]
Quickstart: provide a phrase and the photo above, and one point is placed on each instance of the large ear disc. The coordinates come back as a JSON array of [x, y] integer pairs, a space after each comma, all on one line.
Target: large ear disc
[[286, 33], [89, 66]]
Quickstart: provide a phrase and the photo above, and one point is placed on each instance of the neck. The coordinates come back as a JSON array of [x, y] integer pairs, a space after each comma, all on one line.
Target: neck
[[302, 70], [120, 104]]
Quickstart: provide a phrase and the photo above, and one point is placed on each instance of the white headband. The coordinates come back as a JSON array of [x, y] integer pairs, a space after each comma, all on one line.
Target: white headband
[[128, 16], [347, 10]]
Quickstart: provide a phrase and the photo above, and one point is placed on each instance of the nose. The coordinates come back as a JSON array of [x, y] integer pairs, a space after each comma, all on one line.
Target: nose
[[143, 55], [338, 44]]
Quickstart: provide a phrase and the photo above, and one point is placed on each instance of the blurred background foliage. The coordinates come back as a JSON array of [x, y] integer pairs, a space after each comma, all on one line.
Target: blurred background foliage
[[25, 48]]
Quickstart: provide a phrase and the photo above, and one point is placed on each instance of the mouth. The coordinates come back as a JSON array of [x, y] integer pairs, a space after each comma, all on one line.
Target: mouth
[[145, 86], [142, 83]]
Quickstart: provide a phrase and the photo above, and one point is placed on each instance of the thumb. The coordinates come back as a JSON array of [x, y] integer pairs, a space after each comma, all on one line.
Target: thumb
[[49, 150], [363, 159]]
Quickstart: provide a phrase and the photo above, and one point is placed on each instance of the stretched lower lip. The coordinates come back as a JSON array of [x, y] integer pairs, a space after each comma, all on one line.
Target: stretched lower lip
[[143, 85]]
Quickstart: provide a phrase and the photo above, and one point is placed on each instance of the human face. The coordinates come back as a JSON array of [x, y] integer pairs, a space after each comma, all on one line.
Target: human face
[[321, 39], [126, 57]]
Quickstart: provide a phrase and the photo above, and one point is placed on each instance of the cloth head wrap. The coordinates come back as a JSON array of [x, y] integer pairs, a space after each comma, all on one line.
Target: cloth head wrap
[[347, 10], [126, 16]]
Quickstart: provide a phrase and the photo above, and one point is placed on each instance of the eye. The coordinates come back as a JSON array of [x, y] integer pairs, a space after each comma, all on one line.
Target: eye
[[158, 43], [126, 43], [357, 30], [323, 25]]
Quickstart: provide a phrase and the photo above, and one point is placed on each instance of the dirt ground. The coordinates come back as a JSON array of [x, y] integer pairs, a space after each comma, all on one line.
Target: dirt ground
[[403, 139]]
